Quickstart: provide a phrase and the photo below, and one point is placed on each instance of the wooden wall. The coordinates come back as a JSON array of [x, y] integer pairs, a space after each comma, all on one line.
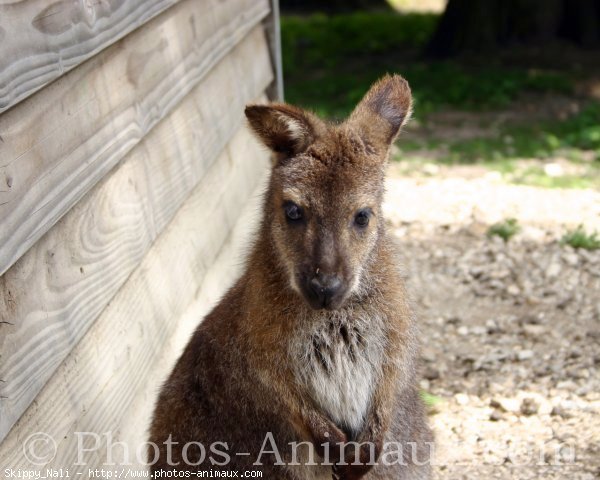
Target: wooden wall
[[124, 167]]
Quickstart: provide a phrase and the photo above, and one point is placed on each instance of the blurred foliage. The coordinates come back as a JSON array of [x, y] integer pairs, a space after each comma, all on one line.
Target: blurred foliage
[[330, 62], [537, 177], [447, 84], [539, 140], [576, 139], [505, 230], [325, 41], [579, 238]]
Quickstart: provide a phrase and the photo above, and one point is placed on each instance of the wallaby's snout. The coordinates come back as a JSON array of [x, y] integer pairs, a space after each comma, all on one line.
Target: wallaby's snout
[[324, 201], [325, 277], [321, 250], [327, 289], [324, 291]]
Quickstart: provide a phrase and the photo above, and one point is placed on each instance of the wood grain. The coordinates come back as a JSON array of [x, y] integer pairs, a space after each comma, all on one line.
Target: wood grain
[[40, 40], [97, 383], [52, 295], [135, 421], [62, 140]]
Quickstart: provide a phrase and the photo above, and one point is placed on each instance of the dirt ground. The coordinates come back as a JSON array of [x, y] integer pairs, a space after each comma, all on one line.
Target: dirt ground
[[510, 331]]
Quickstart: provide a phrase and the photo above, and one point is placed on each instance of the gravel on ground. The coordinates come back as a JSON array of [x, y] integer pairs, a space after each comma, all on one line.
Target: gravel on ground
[[510, 330]]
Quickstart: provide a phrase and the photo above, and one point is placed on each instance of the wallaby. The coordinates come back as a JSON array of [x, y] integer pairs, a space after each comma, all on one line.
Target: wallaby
[[306, 368]]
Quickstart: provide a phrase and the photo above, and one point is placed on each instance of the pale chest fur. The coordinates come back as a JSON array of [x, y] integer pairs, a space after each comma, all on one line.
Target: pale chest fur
[[338, 359]]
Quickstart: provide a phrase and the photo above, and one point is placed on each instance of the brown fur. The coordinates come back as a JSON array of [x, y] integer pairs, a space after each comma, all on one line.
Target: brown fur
[[257, 361]]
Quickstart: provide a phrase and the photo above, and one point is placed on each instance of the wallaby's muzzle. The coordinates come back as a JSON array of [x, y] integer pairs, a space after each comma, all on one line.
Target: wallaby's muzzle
[[324, 291]]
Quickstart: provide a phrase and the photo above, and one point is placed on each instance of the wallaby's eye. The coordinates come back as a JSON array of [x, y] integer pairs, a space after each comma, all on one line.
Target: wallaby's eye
[[362, 218], [292, 211]]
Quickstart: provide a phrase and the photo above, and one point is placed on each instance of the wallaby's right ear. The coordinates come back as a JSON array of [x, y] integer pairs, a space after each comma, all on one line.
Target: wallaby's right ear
[[285, 129]]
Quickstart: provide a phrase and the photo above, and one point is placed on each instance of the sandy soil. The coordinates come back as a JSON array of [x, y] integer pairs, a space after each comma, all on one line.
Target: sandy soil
[[510, 331]]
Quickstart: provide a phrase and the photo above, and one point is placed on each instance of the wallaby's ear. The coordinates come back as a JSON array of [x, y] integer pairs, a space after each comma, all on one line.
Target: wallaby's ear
[[382, 111], [285, 129]]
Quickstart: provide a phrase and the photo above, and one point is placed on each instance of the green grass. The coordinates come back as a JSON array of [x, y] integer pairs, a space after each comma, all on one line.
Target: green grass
[[329, 62], [537, 177], [576, 139], [540, 140], [579, 238], [581, 132], [430, 400], [505, 230], [324, 42], [439, 85]]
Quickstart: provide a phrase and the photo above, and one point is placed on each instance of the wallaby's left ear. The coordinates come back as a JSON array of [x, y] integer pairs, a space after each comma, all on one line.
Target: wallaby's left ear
[[382, 112]]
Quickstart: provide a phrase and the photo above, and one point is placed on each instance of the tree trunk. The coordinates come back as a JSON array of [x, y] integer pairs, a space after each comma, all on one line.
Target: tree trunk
[[481, 26], [580, 22]]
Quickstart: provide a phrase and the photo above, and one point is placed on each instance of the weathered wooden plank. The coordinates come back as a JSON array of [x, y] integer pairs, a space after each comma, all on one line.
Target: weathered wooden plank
[[61, 141], [135, 422], [52, 295], [41, 40], [95, 385], [129, 422], [273, 29]]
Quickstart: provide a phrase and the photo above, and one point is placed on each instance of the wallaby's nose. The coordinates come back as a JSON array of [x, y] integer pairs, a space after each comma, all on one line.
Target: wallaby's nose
[[325, 288]]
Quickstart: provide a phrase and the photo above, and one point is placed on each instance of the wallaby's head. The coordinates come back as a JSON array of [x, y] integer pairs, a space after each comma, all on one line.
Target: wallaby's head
[[326, 191]]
